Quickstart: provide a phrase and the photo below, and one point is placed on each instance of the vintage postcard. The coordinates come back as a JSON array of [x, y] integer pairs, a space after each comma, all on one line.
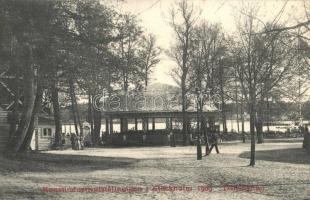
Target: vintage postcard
[[155, 99]]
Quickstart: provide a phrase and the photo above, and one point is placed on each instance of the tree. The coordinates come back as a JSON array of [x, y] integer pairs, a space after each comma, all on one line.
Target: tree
[[149, 56], [51, 40], [209, 67], [183, 30], [264, 63], [129, 33], [95, 26], [27, 23]]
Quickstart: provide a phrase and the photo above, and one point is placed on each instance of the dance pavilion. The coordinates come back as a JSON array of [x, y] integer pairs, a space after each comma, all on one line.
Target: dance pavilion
[[150, 134]]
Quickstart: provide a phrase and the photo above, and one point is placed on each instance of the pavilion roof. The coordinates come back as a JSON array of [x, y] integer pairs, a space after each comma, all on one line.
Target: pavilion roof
[[156, 114]]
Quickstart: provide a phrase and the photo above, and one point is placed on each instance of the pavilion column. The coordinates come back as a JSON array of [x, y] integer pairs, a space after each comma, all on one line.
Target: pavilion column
[[189, 124], [136, 124], [153, 123], [121, 124], [106, 126], [111, 125], [203, 126], [124, 125], [145, 124], [167, 124], [125, 120]]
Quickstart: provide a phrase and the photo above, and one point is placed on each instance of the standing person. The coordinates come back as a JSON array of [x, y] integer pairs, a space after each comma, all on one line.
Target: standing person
[[172, 139], [306, 135], [78, 143], [72, 138], [214, 143], [81, 142]]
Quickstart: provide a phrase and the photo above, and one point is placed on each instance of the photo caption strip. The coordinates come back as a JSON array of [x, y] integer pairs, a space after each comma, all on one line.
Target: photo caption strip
[[156, 188]]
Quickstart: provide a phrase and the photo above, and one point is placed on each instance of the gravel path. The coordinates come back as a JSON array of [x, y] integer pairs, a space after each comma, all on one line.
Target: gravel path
[[282, 171]]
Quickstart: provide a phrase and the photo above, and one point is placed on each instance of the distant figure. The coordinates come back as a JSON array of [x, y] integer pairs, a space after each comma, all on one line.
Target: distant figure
[[172, 139], [79, 143], [72, 138], [87, 142], [306, 135], [213, 143], [63, 140], [221, 137]]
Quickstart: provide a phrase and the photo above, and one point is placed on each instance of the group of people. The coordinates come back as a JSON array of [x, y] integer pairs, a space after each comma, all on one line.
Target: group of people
[[213, 140], [76, 142]]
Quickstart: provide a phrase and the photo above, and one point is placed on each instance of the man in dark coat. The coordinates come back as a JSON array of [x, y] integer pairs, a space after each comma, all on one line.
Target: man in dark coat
[[214, 143]]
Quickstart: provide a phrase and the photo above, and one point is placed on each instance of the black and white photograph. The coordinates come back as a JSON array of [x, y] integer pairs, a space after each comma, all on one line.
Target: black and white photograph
[[155, 99]]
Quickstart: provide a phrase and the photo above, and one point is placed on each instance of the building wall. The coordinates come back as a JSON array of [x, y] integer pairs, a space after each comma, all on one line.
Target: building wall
[[43, 137], [4, 130]]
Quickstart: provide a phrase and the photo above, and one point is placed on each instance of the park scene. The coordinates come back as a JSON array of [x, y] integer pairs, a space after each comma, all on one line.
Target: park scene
[[153, 99]]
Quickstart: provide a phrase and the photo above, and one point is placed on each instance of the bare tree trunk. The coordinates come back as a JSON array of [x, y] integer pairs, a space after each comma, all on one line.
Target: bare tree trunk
[[252, 129], [79, 119], [75, 112], [73, 106], [146, 78], [14, 116], [259, 129], [57, 116], [237, 112], [237, 103], [224, 117], [242, 119], [252, 126], [30, 88], [37, 108], [260, 119], [183, 31], [97, 127], [268, 114], [205, 134], [90, 116], [221, 79], [259, 124], [184, 118]]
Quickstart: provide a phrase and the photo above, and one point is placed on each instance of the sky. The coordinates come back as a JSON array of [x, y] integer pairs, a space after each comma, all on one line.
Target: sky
[[154, 17]]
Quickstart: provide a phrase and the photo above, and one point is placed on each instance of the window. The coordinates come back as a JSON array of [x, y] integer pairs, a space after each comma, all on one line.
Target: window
[[47, 132]]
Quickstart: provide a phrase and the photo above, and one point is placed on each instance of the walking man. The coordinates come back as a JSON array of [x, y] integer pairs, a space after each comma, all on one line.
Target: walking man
[[214, 143]]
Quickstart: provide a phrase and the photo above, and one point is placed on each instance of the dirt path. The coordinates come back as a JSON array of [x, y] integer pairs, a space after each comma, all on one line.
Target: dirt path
[[282, 172]]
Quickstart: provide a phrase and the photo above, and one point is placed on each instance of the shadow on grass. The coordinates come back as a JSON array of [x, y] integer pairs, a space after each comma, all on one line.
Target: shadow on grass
[[41, 162], [294, 155]]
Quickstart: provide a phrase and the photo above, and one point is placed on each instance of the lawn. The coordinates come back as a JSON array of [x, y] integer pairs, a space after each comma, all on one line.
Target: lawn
[[282, 171]]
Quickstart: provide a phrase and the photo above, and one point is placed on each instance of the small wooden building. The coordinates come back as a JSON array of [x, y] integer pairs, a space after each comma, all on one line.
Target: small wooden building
[[4, 129], [44, 134]]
